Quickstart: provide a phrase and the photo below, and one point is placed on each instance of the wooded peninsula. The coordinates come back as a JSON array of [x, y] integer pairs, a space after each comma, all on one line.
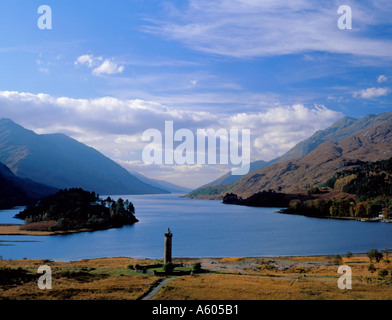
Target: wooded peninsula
[[73, 210]]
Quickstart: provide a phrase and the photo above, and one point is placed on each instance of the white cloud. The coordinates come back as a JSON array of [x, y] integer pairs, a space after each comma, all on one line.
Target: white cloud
[[278, 129], [245, 28], [108, 67], [86, 59], [371, 93], [114, 126], [382, 79], [100, 66]]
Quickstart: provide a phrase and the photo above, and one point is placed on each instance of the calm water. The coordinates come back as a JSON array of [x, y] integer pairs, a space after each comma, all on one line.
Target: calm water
[[202, 228]]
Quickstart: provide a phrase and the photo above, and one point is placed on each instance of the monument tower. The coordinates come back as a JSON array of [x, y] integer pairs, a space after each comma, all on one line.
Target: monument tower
[[168, 246]]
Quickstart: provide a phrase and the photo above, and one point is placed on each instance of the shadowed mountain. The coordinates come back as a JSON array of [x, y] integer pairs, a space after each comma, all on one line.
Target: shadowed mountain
[[15, 191], [60, 161]]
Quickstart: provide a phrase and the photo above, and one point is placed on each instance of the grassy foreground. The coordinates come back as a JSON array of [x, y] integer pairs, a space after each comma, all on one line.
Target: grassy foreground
[[277, 278]]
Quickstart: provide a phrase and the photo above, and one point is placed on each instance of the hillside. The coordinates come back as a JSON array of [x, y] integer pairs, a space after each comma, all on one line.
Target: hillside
[[299, 175], [229, 178], [369, 180], [366, 194], [15, 191], [338, 131], [62, 162]]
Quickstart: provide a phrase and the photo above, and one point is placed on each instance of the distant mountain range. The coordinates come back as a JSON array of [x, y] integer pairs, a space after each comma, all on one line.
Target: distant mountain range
[[61, 162], [347, 143], [173, 188]]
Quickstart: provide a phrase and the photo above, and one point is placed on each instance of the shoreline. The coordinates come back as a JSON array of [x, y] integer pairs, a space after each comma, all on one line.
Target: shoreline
[[189, 260], [288, 212], [14, 230]]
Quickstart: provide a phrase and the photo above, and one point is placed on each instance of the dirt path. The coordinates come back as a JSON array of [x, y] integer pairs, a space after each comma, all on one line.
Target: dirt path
[[157, 288]]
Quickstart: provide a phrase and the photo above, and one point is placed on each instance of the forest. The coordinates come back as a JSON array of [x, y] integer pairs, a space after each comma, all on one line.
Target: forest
[[369, 189], [369, 180]]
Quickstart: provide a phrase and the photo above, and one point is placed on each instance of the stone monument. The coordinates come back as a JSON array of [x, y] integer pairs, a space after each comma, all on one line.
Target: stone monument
[[168, 246]]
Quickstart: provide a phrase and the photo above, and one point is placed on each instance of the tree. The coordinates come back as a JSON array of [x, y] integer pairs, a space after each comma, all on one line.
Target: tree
[[197, 267], [373, 209], [168, 267], [382, 273], [120, 206], [131, 208], [295, 204], [374, 254], [337, 259], [359, 209], [371, 268], [341, 208]]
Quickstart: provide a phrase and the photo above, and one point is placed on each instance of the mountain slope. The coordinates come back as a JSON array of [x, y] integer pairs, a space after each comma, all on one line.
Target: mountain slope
[[15, 191], [317, 166], [62, 162], [229, 178], [338, 131]]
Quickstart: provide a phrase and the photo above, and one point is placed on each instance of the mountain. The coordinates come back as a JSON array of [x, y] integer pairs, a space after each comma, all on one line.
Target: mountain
[[173, 188], [338, 131], [62, 162], [356, 141], [229, 178], [315, 168], [15, 191]]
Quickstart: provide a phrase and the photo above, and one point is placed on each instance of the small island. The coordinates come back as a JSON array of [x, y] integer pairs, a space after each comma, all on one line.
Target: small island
[[74, 210]]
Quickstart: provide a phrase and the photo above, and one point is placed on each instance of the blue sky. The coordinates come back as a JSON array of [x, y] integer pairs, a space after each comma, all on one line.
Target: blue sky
[[108, 70]]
